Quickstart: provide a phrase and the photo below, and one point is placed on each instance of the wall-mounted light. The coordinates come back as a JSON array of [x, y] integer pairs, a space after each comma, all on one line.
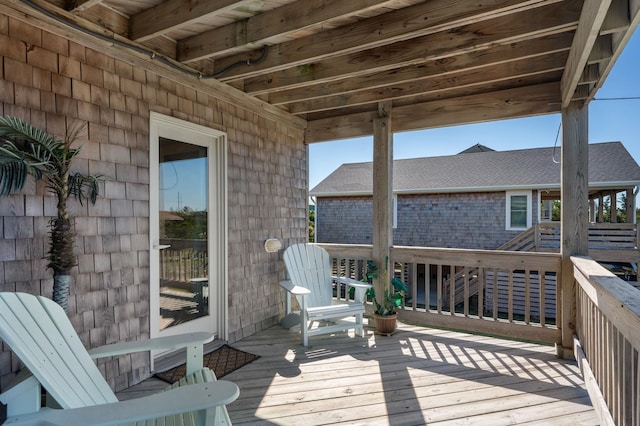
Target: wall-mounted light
[[272, 245]]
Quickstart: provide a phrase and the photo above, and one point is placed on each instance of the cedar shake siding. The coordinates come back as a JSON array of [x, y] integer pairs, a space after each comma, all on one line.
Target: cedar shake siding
[[45, 78], [344, 220], [458, 220]]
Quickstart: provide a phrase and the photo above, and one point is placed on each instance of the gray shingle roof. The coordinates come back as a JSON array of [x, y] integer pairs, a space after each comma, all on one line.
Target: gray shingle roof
[[609, 164]]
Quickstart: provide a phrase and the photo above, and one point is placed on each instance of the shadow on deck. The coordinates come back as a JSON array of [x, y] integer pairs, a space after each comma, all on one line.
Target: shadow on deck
[[417, 376]]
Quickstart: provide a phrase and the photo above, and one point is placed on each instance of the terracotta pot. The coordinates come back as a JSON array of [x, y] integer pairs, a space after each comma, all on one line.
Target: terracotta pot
[[385, 324]]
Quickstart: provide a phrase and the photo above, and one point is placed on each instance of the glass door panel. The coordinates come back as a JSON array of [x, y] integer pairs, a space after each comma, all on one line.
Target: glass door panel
[[183, 233]]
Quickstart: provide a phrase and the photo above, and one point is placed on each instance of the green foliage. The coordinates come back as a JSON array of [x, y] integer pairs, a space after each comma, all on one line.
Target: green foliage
[[26, 150], [312, 224], [192, 227], [391, 300], [555, 210]]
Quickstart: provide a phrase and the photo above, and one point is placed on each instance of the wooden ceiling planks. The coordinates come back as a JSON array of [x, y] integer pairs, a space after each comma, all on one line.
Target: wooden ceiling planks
[[331, 62]]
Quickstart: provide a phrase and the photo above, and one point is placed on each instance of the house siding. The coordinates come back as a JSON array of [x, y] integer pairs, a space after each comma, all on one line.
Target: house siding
[[44, 78], [344, 220], [459, 220]]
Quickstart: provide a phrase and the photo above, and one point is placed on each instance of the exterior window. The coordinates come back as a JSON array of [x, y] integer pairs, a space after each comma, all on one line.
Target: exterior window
[[518, 210]]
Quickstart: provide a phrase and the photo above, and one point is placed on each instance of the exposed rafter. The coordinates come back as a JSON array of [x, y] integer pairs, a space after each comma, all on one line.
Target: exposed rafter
[[330, 63]]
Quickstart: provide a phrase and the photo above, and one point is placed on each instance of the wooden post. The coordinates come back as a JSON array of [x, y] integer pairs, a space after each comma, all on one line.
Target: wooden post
[[382, 192], [631, 208], [574, 225], [613, 217], [600, 208]]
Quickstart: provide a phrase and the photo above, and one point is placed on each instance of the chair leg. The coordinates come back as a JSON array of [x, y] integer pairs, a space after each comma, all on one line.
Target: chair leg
[[360, 325], [305, 322]]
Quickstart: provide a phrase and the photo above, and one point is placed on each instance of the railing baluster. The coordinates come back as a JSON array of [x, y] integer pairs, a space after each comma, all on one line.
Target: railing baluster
[[527, 296], [452, 289], [481, 282], [466, 291], [439, 289]]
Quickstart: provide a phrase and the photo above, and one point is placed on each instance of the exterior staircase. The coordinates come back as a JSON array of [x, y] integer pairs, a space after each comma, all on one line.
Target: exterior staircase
[[608, 242]]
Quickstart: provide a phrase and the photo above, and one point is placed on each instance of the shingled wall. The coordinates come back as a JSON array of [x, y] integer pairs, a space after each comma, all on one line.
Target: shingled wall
[[463, 220], [46, 79]]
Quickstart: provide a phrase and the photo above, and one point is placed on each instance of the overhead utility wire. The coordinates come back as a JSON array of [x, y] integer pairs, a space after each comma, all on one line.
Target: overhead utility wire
[[148, 52], [627, 98]]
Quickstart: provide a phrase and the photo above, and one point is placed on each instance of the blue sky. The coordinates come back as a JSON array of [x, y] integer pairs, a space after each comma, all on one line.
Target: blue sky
[[615, 120]]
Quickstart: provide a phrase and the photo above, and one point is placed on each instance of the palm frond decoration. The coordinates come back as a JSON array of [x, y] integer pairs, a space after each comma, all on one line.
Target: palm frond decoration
[[26, 150]]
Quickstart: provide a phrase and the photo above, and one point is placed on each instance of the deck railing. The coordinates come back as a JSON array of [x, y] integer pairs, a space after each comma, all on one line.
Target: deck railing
[[515, 296], [503, 293], [183, 260], [611, 242], [608, 341]]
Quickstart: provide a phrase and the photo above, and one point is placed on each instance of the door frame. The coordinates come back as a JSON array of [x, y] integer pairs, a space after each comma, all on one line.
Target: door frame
[[161, 125]]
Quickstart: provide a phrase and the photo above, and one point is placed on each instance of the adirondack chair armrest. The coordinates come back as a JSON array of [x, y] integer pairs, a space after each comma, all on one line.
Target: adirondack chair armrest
[[351, 282], [194, 342], [190, 398], [157, 343], [361, 288], [296, 290]]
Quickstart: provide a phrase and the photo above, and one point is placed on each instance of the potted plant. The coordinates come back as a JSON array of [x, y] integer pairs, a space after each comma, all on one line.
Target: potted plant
[[385, 315], [26, 150]]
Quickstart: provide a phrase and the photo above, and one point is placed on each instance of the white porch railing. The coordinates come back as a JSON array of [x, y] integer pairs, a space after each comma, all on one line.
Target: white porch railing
[[607, 344]]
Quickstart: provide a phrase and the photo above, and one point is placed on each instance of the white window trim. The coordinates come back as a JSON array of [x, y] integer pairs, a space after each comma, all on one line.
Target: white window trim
[[510, 194]]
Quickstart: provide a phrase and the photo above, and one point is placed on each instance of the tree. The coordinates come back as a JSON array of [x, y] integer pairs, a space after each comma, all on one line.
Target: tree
[[26, 150]]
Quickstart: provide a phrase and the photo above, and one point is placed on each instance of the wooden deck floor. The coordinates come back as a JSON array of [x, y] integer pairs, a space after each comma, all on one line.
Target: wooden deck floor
[[417, 376]]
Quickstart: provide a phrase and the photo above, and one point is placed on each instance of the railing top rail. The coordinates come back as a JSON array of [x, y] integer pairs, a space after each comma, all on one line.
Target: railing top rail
[[592, 225], [614, 297], [350, 251], [480, 258], [549, 262]]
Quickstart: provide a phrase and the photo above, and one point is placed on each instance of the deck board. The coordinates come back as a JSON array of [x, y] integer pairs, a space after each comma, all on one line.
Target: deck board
[[417, 376]]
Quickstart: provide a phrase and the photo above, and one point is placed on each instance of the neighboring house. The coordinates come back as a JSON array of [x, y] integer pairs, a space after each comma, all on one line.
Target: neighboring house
[[480, 199], [477, 199]]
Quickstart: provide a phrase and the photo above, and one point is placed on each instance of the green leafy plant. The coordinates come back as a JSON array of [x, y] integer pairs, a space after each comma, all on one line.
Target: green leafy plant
[[26, 150], [391, 300]]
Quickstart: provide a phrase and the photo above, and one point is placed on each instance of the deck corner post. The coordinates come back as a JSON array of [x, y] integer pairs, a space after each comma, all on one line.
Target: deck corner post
[[382, 191], [574, 225]]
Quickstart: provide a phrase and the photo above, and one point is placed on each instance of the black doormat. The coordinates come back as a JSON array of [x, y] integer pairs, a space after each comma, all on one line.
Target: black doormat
[[222, 361]]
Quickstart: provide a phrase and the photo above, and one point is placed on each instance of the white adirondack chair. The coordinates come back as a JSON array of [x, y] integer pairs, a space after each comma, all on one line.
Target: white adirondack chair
[[38, 331], [310, 281]]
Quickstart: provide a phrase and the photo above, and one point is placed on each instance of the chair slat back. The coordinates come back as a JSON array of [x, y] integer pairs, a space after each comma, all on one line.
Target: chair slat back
[[38, 331], [309, 266]]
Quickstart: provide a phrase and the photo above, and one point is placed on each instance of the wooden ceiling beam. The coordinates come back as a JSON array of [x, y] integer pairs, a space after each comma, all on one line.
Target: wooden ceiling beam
[[490, 87], [554, 43], [591, 19], [618, 42], [172, 14], [414, 21], [519, 102], [257, 30], [481, 36], [441, 84]]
